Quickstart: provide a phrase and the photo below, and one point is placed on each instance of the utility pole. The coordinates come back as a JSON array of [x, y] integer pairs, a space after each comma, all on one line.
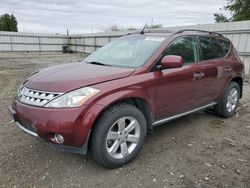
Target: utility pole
[[68, 40]]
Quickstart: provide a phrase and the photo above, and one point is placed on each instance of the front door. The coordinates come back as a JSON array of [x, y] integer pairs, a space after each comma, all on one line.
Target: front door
[[180, 89]]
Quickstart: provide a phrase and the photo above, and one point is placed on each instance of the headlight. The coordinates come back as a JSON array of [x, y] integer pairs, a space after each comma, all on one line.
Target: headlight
[[74, 98], [20, 91]]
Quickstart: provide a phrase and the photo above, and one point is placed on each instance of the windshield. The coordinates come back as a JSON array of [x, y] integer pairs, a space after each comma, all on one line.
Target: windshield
[[128, 51]]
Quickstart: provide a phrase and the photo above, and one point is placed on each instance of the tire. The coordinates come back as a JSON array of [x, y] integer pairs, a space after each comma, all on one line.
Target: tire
[[114, 132], [223, 109]]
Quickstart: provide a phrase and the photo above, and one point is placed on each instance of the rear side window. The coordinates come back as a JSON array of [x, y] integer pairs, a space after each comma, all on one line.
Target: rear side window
[[225, 45], [211, 49], [186, 47]]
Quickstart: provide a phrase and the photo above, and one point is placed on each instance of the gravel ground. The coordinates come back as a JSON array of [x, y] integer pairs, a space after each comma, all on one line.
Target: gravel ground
[[199, 150]]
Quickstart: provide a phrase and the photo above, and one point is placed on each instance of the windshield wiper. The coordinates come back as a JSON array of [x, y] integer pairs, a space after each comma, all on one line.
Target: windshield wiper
[[98, 63]]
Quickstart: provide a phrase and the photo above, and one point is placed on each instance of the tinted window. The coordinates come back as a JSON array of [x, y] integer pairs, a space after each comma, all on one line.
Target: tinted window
[[185, 47], [225, 45], [210, 48]]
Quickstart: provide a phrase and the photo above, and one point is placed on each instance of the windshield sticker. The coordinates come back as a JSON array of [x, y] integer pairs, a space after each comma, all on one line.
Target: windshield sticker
[[158, 39]]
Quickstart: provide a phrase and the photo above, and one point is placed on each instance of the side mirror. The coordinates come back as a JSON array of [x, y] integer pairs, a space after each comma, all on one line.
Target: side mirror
[[171, 61]]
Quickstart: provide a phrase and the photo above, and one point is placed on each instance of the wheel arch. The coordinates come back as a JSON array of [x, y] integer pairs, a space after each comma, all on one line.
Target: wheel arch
[[139, 103], [239, 81]]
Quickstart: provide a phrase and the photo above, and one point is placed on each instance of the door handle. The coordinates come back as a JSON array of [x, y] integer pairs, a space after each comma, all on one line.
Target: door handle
[[198, 75]]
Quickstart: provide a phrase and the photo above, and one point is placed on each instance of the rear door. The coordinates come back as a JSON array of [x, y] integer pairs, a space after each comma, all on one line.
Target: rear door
[[180, 89], [217, 66]]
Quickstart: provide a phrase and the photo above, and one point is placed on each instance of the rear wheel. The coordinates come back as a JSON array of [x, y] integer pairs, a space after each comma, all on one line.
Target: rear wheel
[[118, 135], [229, 103]]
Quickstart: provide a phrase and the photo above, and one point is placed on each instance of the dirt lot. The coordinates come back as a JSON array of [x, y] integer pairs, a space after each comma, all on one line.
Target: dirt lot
[[200, 150]]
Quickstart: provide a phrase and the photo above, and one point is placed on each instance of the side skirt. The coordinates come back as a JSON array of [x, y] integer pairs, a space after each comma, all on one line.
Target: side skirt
[[162, 121]]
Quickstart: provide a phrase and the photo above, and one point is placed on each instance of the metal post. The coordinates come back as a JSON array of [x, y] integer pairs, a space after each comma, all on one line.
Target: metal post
[[95, 42], [83, 44], [249, 74], [11, 45], [39, 44], [68, 40]]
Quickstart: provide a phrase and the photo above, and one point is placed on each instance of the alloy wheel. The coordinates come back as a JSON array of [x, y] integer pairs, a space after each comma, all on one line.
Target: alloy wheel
[[232, 99], [123, 137]]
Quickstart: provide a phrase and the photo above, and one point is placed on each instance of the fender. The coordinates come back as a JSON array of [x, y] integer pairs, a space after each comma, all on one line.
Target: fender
[[94, 109], [97, 106], [227, 82], [132, 92], [136, 92]]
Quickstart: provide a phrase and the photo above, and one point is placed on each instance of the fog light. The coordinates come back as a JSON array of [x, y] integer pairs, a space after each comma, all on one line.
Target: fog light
[[59, 138]]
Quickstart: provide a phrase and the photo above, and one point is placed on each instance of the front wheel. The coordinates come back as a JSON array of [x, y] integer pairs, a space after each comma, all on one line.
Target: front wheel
[[229, 103], [118, 135]]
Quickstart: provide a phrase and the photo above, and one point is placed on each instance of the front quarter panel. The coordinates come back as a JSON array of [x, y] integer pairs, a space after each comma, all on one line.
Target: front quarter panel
[[136, 86]]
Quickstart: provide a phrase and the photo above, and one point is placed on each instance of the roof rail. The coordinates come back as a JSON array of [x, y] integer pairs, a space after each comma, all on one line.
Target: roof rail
[[163, 31], [203, 31], [158, 31]]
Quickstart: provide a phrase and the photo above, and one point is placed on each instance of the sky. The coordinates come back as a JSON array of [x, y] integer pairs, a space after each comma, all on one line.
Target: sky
[[86, 16]]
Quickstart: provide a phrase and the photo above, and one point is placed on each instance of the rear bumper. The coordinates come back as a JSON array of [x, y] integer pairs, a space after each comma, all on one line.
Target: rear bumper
[[43, 123]]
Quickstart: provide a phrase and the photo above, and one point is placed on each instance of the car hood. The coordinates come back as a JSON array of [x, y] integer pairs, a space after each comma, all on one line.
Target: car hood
[[67, 77]]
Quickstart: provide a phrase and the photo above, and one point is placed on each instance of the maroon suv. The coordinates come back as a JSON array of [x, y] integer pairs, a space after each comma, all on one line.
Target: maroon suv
[[108, 102]]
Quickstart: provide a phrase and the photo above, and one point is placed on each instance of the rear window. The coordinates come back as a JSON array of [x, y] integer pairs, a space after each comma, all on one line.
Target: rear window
[[211, 49], [225, 45]]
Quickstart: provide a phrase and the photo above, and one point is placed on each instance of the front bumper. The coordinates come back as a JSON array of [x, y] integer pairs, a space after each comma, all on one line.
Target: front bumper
[[43, 123], [18, 124]]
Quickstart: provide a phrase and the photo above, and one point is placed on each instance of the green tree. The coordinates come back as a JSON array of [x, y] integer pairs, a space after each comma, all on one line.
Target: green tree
[[220, 18], [8, 23], [112, 28], [239, 9], [131, 28], [115, 27], [154, 26]]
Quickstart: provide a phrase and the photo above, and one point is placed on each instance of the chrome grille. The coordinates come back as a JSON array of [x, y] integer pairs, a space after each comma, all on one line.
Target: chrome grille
[[35, 97]]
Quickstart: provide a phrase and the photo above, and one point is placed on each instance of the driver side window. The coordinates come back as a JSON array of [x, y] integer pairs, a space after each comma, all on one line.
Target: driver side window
[[186, 47]]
